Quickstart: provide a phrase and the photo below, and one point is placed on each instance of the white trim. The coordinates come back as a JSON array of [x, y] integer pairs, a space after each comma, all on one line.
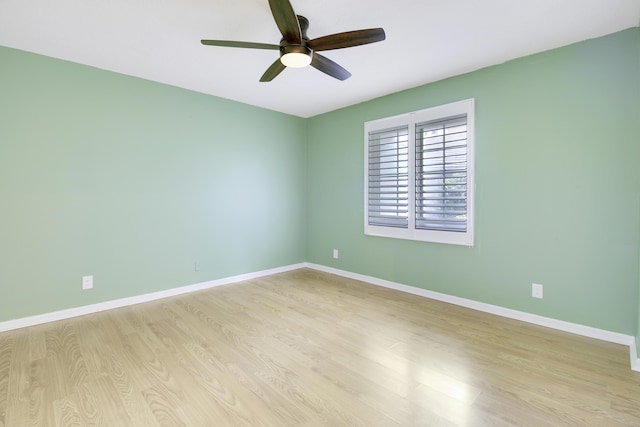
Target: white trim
[[548, 322], [635, 361], [124, 302]]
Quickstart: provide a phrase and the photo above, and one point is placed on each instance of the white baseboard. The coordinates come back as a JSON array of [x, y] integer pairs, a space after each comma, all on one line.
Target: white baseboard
[[108, 305], [561, 325], [635, 361]]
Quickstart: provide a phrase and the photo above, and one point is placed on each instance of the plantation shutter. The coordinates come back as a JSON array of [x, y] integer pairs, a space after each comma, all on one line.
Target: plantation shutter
[[388, 198], [441, 175]]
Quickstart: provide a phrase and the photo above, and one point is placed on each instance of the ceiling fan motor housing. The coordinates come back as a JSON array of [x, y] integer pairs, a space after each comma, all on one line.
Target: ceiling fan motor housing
[[294, 54]]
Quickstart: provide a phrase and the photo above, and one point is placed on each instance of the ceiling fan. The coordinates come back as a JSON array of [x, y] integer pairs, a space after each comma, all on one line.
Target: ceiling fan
[[296, 50]]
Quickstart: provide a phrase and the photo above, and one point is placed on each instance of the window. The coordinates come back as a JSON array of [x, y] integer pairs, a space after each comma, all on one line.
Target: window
[[419, 175]]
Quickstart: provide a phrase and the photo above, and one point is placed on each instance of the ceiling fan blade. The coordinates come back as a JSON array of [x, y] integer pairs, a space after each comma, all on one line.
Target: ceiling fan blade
[[273, 71], [248, 45], [329, 67], [347, 39], [286, 20]]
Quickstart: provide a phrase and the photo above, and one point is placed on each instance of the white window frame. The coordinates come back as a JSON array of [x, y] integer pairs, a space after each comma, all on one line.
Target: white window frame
[[465, 107]]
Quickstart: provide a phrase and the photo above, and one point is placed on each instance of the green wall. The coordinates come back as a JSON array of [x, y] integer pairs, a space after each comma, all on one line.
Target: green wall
[[557, 187], [132, 182]]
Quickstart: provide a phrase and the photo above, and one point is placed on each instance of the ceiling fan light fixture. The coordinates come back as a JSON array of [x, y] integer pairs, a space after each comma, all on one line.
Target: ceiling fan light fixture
[[296, 56]]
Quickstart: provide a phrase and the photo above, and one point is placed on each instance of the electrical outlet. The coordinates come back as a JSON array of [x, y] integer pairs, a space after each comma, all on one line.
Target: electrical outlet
[[537, 290], [87, 282], [196, 266], [335, 254]]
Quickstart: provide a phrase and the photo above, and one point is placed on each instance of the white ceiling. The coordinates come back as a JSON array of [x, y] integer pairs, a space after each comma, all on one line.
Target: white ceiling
[[427, 40]]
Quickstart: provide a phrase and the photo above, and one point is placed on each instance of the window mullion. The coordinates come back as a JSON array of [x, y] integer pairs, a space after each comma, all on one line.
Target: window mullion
[[412, 175]]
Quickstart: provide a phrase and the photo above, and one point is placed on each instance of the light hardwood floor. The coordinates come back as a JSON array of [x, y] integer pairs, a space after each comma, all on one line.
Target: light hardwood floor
[[306, 348]]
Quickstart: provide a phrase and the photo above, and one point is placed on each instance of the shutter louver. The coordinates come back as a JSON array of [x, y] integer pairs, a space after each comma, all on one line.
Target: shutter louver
[[441, 175], [388, 187]]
